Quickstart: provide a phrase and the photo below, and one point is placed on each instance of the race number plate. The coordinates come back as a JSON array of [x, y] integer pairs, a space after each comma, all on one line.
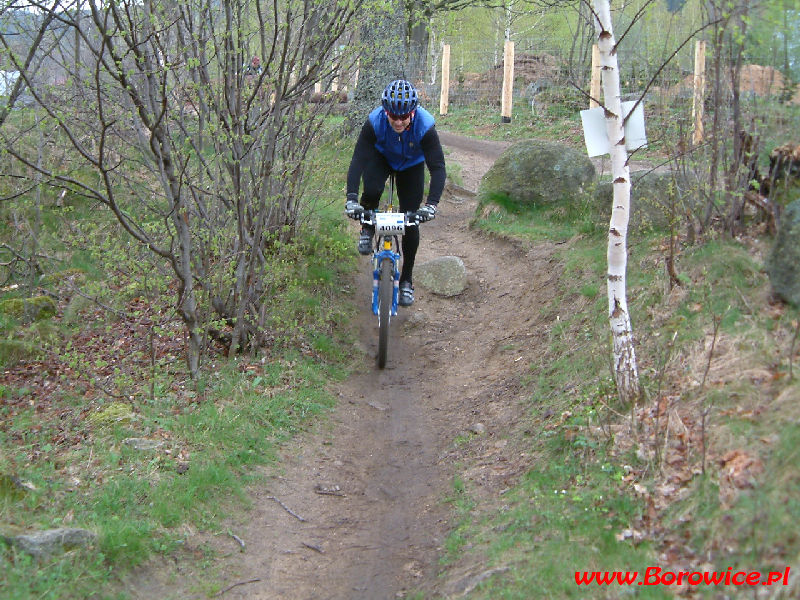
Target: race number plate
[[390, 223]]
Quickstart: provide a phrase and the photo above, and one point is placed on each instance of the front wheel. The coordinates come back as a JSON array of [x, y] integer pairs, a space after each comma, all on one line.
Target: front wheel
[[385, 293]]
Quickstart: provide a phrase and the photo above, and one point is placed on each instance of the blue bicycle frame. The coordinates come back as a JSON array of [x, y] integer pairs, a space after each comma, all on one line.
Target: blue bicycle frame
[[389, 227], [377, 258]]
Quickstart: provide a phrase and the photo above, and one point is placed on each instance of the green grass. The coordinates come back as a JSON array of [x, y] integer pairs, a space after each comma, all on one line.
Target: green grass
[[75, 575], [500, 215], [563, 514], [143, 496], [757, 525], [462, 504], [454, 171], [72, 447], [485, 122]]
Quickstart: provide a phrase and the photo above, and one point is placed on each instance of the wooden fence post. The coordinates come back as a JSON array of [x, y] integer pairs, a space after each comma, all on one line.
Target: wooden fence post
[[508, 81], [444, 95], [594, 90], [699, 90]]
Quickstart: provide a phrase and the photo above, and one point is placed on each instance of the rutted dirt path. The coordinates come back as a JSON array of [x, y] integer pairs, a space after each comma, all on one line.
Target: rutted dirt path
[[357, 511]]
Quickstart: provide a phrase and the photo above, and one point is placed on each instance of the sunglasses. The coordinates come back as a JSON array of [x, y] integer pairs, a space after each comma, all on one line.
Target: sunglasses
[[394, 117]]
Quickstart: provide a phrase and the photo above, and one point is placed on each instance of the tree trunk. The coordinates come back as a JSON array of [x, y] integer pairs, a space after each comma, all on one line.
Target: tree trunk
[[418, 39], [625, 370], [383, 63], [716, 101], [187, 300], [737, 180], [581, 47], [77, 50]]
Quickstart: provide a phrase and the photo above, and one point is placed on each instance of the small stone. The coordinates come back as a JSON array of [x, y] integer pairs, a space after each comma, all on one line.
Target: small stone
[[444, 276], [142, 443], [13, 486], [478, 429], [416, 318], [44, 544]]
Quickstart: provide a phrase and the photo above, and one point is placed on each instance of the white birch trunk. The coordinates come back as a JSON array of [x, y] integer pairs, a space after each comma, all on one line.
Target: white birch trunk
[[625, 370]]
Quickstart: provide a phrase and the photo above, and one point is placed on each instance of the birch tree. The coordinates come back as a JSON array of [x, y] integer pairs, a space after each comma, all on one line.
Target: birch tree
[[624, 356]]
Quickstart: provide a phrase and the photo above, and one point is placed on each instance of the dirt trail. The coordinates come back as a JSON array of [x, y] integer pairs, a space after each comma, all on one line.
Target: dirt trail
[[370, 485]]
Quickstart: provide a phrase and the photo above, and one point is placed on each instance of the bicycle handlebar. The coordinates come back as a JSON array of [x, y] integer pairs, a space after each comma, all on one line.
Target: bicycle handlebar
[[412, 218]]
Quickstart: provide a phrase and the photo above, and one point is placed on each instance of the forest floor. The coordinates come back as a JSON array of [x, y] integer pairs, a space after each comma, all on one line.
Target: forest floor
[[356, 508]]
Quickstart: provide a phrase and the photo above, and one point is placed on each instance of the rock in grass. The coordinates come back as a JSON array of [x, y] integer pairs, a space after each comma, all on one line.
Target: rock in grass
[[142, 443], [13, 351], [783, 262], [72, 312], [112, 414], [13, 487], [537, 173], [44, 544], [28, 310]]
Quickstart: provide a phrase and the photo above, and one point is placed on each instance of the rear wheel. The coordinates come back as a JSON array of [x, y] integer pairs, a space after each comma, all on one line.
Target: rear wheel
[[385, 293]]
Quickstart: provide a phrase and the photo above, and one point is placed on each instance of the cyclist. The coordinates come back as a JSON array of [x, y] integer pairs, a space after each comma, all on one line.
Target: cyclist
[[398, 136], [253, 69]]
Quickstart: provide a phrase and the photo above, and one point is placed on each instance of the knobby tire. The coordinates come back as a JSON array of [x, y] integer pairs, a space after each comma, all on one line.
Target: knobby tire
[[385, 292]]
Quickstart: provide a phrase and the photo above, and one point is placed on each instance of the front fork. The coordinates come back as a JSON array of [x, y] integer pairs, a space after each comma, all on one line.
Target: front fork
[[377, 259]]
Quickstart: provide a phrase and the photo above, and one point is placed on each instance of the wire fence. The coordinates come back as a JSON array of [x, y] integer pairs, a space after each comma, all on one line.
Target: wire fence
[[547, 83], [476, 77]]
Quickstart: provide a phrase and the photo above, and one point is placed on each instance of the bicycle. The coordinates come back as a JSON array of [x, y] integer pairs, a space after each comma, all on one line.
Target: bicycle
[[389, 227]]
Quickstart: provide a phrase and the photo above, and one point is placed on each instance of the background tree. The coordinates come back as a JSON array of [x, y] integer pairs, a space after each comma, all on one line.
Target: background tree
[[22, 31], [772, 37], [200, 159], [419, 14], [727, 22], [24, 42], [383, 32]]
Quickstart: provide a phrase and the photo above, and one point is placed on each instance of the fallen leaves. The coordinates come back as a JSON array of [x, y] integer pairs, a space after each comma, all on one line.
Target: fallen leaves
[[738, 470], [105, 363]]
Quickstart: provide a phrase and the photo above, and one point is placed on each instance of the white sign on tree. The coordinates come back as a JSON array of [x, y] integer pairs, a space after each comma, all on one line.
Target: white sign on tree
[[595, 131]]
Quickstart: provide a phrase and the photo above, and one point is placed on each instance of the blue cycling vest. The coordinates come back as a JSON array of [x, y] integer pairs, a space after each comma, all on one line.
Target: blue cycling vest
[[402, 150]]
